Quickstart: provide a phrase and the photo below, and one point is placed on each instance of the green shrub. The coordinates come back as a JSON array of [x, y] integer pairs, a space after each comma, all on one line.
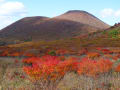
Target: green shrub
[[104, 32], [114, 33], [52, 53]]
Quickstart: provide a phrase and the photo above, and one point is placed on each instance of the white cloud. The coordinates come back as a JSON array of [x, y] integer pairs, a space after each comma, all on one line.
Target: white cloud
[[2, 0], [107, 12], [12, 9], [5, 21], [117, 13], [110, 13], [9, 11]]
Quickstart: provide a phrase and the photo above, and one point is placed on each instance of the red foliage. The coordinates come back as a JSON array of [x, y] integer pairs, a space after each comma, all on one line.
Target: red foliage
[[117, 69], [49, 67], [99, 49], [31, 60], [15, 54], [106, 51], [5, 53], [93, 68], [52, 67]]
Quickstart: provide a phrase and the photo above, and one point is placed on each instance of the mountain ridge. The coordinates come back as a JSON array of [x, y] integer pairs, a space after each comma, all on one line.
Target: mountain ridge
[[45, 28]]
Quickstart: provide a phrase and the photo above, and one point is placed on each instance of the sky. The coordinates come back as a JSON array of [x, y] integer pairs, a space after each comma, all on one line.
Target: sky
[[13, 10]]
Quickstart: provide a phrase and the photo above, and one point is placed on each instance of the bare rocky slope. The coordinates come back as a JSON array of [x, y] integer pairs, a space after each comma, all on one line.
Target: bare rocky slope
[[83, 17]]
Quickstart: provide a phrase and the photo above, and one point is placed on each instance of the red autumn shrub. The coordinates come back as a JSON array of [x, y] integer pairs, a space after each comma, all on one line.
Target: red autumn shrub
[[49, 69], [106, 51], [5, 53], [99, 48], [104, 65], [117, 69], [93, 68], [49, 66], [15, 54], [86, 65], [68, 65], [31, 60]]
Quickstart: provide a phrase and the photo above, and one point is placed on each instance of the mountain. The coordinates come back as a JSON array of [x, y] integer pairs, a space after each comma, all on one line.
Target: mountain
[[83, 17], [68, 25]]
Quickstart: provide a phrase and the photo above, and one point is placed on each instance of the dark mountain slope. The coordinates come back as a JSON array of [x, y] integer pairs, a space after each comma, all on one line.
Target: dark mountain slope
[[47, 30], [68, 25]]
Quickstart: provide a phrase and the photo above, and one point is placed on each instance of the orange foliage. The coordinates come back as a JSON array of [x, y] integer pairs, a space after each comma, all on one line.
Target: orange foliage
[[15, 54], [5, 53], [49, 67], [31, 60], [52, 67], [93, 68], [117, 69], [93, 55]]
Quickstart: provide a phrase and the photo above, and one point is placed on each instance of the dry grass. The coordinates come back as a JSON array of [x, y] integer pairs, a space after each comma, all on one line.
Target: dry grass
[[71, 81]]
